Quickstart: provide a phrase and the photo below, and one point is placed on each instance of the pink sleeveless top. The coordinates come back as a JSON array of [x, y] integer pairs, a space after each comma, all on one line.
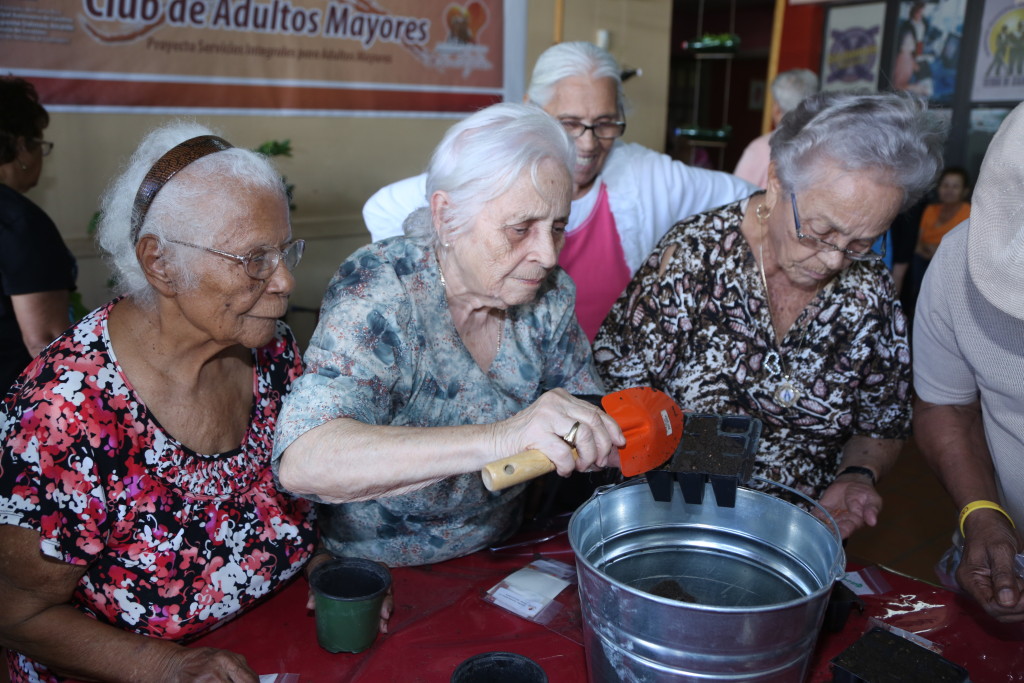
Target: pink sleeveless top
[[593, 257]]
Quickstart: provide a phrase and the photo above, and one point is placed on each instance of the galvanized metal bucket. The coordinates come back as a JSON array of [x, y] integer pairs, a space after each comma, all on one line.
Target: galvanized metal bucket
[[677, 592]]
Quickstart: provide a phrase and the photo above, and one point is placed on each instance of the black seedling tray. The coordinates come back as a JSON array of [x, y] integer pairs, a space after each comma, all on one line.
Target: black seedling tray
[[715, 448], [883, 657]]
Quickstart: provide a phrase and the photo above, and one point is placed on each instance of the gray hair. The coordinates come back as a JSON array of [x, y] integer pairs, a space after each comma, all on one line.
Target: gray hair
[[482, 156], [892, 134], [792, 87], [179, 211], [565, 60]]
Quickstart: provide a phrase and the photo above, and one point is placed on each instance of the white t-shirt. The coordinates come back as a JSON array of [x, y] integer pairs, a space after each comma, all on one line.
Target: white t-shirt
[[648, 193]]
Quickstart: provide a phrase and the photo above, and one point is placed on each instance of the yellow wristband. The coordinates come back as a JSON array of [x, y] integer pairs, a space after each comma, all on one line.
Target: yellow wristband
[[979, 505]]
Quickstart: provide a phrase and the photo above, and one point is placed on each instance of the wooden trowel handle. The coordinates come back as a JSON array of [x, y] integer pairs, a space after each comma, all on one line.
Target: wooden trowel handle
[[515, 469]]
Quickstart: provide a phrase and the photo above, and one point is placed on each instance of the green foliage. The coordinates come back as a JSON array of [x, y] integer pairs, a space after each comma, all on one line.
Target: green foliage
[[713, 42], [275, 148], [77, 309], [94, 223], [720, 38], [280, 148]]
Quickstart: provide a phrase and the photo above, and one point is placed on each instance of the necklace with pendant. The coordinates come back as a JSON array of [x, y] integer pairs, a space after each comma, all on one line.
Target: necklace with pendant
[[787, 392]]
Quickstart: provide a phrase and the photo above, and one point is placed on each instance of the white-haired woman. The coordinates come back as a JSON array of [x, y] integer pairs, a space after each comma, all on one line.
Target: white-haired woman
[[624, 196], [137, 504], [789, 89], [777, 307], [442, 351]]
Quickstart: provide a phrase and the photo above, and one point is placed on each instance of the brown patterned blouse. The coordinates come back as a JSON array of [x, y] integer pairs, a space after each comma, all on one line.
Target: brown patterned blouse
[[702, 332]]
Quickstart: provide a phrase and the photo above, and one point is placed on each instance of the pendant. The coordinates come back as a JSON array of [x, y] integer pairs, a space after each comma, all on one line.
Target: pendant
[[787, 393]]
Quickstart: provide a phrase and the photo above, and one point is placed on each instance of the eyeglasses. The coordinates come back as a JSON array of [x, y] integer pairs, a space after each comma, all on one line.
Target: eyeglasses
[[261, 262], [44, 145], [603, 130], [822, 245]]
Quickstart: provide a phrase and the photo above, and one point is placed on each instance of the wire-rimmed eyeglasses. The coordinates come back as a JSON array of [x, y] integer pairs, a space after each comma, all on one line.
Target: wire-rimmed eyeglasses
[[44, 145], [823, 245], [261, 262], [602, 130]]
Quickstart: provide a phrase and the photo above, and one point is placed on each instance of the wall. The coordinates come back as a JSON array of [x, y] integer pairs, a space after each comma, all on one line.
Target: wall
[[338, 162], [802, 33]]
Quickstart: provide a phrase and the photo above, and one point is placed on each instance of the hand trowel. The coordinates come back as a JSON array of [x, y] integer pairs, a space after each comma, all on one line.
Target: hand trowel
[[650, 420]]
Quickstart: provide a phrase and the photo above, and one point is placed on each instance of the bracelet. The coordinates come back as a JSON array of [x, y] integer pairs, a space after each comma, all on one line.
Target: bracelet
[[982, 505], [857, 469]]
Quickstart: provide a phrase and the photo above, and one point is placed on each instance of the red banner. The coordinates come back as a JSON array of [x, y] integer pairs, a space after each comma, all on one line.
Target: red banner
[[424, 57]]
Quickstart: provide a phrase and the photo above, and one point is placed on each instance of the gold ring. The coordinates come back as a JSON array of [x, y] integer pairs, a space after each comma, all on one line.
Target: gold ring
[[570, 436]]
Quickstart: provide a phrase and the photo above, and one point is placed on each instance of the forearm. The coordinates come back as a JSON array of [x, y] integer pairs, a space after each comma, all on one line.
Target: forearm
[[72, 644], [952, 441], [345, 460], [877, 455]]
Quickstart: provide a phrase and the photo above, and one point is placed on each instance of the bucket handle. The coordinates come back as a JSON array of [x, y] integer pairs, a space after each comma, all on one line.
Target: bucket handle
[[837, 570], [596, 496]]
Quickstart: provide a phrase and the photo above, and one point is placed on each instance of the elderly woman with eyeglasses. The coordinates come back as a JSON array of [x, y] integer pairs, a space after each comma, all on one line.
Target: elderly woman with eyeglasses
[[37, 272], [776, 307], [441, 351], [624, 196], [138, 508]]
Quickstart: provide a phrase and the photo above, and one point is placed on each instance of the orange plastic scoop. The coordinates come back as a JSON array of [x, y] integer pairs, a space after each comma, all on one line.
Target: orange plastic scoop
[[650, 420]]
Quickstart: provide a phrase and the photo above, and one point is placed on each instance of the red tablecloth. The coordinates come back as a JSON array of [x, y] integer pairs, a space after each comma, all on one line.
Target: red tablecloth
[[440, 619]]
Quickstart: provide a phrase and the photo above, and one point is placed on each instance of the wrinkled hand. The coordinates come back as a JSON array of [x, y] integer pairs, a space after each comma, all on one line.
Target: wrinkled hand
[[543, 424], [386, 608], [986, 570], [853, 504], [208, 665]]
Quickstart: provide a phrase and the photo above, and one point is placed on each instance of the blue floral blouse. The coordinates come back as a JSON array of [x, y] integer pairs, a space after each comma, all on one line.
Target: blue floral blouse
[[386, 352]]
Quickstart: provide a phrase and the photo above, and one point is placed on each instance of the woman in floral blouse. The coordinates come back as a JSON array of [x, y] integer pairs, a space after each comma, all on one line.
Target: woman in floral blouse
[[776, 307], [446, 349], [137, 505]]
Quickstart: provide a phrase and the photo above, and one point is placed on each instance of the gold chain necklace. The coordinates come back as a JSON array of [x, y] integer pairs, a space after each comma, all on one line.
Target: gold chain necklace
[[501, 319], [787, 393]]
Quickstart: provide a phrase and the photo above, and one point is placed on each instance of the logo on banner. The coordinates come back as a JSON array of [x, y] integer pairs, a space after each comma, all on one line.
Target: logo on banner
[[460, 50], [853, 55]]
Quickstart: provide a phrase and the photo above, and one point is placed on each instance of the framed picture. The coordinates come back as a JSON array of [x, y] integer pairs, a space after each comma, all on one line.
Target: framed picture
[[983, 126], [999, 65], [927, 48], [852, 46]]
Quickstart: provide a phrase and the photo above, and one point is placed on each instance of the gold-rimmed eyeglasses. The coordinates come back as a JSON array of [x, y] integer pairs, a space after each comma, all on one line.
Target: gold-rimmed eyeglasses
[[602, 130], [261, 262], [813, 242]]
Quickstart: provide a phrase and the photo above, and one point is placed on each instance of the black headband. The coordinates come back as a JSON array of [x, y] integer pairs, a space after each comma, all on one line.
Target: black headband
[[176, 158]]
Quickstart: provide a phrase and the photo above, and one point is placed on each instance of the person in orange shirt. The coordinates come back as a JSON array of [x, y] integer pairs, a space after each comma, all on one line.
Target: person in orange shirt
[[951, 210], [937, 219]]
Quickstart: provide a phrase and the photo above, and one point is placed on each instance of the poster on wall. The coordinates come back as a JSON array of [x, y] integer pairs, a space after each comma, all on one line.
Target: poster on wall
[[927, 48], [317, 57], [983, 126], [999, 67], [852, 47]]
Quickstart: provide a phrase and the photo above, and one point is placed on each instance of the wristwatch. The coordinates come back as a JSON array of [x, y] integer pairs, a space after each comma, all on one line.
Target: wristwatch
[[857, 469]]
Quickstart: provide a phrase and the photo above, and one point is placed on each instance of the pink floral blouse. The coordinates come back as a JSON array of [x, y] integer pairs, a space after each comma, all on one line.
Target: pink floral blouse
[[173, 541]]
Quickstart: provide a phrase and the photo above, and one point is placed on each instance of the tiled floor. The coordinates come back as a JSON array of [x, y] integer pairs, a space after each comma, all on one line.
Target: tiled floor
[[916, 523]]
